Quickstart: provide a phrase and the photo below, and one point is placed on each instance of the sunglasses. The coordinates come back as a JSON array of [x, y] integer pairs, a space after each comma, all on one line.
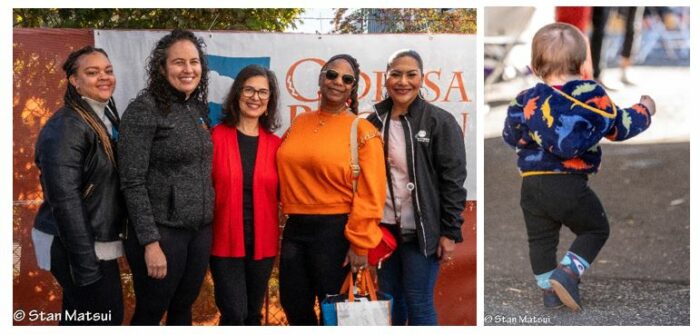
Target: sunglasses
[[332, 74]]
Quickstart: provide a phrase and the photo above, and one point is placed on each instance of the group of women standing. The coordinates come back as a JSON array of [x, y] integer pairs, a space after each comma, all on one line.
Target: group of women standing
[[199, 198]]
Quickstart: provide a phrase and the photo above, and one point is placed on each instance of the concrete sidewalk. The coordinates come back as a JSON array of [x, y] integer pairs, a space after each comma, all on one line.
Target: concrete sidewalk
[[641, 277]]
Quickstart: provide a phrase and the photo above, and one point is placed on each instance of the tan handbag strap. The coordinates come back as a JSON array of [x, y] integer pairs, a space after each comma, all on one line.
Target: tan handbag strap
[[355, 163]]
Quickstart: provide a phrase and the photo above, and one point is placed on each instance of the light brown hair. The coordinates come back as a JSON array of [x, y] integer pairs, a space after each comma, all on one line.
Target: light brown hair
[[558, 49]]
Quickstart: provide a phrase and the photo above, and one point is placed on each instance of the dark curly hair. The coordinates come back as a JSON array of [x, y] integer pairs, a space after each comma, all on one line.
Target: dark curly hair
[[157, 84], [73, 99], [356, 72], [231, 110]]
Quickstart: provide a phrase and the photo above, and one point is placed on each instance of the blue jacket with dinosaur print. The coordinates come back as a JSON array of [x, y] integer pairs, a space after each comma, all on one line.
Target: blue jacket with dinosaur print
[[558, 130]]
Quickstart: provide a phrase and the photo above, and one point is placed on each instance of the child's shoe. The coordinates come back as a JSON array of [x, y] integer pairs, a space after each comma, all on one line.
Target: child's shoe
[[551, 300], [565, 283]]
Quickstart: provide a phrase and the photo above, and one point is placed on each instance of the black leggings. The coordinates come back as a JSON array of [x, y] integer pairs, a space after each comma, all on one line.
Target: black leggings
[[240, 284], [187, 253], [103, 297], [550, 201], [313, 250]]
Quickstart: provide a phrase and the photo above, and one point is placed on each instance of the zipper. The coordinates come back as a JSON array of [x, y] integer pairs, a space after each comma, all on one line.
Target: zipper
[[415, 183], [201, 160]]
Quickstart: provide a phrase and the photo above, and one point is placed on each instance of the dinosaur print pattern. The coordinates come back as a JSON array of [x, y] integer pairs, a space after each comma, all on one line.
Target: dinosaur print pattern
[[558, 129]]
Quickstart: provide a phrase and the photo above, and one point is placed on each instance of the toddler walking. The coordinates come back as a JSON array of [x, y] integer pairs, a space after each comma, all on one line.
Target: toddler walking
[[555, 128]]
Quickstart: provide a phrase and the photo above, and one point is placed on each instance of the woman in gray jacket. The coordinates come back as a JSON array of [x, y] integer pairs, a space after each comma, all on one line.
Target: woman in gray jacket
[[165, 154]]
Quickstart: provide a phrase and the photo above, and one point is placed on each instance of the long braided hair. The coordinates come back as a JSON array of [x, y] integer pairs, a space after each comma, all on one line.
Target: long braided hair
[[74, 100], [356, 72]]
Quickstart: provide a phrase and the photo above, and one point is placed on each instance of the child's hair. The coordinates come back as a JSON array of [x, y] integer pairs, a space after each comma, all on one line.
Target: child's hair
[[558, 48]]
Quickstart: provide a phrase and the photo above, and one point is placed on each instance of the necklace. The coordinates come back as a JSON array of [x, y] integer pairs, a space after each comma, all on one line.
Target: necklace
[[323, 119]]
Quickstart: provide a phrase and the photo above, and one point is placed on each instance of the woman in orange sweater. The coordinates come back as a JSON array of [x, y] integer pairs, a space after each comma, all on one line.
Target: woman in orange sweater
[[329, 225]]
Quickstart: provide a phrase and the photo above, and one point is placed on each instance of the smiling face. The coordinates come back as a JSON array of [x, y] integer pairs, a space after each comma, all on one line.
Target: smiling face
[[94, 77], [183, 68], [254, 106], [335, 91], [403, 81]]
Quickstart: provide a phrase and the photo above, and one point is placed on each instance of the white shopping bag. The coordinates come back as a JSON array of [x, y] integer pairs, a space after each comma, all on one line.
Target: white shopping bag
[[363, 312]]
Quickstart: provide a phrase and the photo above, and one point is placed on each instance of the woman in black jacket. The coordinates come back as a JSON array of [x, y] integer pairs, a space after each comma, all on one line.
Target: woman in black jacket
[[165, 166], [77, 229], [426, 169]]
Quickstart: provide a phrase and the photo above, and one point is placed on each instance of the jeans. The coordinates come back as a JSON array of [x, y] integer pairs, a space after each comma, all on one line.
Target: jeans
[[240, 284], [409, 277], [187, 254], [550, 201], [103, 297], [313, 250]]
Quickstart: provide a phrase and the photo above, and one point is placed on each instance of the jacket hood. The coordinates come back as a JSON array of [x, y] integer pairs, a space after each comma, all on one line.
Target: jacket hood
[[565, 121], [579, 97]]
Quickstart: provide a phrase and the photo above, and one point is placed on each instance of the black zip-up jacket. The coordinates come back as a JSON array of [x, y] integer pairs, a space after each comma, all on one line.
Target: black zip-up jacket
[[82, 201], [437, 168], [165, 165]]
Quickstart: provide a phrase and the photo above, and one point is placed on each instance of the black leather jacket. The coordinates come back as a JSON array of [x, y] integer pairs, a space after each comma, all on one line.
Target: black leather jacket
[[436, 160], [82, 201]]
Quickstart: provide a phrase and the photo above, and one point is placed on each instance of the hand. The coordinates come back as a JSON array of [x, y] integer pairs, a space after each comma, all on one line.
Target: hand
[[445, 249], [356, 261], [156, 263], [649, 103]]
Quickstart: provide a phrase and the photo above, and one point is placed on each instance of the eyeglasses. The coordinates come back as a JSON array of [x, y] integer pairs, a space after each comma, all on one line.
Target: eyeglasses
[[249, 92], [332, 74]]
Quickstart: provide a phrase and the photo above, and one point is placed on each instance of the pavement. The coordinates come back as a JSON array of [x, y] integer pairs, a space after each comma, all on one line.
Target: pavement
[[641, 276]]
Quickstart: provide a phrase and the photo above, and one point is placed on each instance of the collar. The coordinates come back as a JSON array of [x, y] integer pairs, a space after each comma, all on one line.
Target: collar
[[385, 106], [97, 106], [177, 96]]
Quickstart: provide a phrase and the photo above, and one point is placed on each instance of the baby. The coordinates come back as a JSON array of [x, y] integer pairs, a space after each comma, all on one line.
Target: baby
[[555, 128]]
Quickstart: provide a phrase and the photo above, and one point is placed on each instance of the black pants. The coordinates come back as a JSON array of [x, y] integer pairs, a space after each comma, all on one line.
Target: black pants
[[103, 297], [630, 30], [550, 201], [599, 20], [187, 253], [313, 250], [239, 288]]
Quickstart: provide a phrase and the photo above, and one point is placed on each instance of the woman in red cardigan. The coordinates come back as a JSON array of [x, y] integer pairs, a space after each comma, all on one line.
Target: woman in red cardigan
[[244, 171]]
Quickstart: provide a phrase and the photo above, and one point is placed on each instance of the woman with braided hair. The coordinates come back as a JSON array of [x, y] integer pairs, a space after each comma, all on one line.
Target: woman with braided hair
[[329, 226], [78, 227]]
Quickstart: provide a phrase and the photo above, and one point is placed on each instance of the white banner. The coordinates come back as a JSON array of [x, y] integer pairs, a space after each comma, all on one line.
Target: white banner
[[449, 66]]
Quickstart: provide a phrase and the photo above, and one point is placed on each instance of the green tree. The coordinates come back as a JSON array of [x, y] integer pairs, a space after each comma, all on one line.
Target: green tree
[[405, 20], [255, 19]]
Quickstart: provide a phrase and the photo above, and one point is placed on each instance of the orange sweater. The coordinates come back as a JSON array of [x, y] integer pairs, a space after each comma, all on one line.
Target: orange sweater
[[315, 175]]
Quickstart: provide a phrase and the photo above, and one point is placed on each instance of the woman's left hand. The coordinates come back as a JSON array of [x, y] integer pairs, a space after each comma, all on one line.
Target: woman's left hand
[[445, 249], [357, 262]]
